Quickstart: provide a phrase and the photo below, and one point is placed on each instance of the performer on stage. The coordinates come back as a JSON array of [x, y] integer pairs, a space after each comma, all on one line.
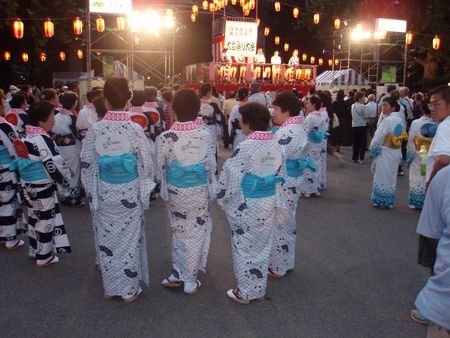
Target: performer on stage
[[249, 194], [117, 174], [186, 169], [291, 140], [276, 68], [67, 138], [386, 149], [259, 57], [41, 167], [294, 61]]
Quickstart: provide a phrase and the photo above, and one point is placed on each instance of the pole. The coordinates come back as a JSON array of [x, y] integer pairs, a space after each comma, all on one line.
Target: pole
[[88, 47], [406, 64], [132, 64], [173, 57]]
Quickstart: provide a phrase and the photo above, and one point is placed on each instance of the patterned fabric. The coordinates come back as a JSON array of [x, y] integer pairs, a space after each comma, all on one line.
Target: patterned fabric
[[211, 115], [416, 194], [22, 120], [323, 127], [386, 164], [314, 151], [10, 212], [87, 116], [291, 139], [188, 207], [252, 220], [45, 224], [117, 209]]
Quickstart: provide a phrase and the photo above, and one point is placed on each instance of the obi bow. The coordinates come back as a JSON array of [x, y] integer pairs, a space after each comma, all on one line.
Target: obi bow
[[125, 161], [397, 140], [177, 170], [316, 136]]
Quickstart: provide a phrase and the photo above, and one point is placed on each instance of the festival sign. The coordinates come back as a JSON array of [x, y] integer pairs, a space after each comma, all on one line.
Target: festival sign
[[240, 38], [110, 6]]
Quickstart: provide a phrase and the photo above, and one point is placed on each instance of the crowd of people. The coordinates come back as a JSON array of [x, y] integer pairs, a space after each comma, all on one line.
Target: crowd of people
[[124, 148]]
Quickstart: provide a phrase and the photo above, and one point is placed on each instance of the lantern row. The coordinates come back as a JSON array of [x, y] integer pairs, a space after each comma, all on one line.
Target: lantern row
[[43, 56]]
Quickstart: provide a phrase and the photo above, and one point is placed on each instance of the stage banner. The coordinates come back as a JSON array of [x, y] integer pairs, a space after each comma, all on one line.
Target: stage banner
[[240, 38], [111, 6]]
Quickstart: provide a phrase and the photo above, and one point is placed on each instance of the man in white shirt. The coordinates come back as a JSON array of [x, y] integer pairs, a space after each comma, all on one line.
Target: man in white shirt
[[276, 61], [259, 57], [439, 153], [371, 110]]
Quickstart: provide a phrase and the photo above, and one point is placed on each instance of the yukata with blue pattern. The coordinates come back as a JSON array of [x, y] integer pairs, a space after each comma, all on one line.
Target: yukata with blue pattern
[[418, 136], [323, 127], [118, 188], [188, 187], [250, 204], [291, 140], [387, 159]]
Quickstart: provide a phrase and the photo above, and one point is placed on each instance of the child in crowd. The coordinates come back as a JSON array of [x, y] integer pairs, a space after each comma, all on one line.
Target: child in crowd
[[186, 168], [250, 193]]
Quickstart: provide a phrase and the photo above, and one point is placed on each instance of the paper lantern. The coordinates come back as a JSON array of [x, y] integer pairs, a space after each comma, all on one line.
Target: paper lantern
[[80, 54], [243, 72], [193, 17], [336, 62], [205, 5], [267, 72], [436, 42], [277, 73], [222, 71], [288, 74], [298, 74], [307, 74], [233, 2], [266, 31], [258, 72], [169, 12], [320, 61], [211, 7], [121, 23], [233, 72], [49, 28], [304, 57], [316, 18], [25, 57], [100, 22], [330, 62], [43, 57], [286, 47], [77, 26], [6, 56], [258, 21], [295, 12], [277, 40], [277, 6], [312, 60], [18, 29], [62, 56], [194, 9], [242, 3], [409, 38], [252, 4], [337, 23], [137, 40]]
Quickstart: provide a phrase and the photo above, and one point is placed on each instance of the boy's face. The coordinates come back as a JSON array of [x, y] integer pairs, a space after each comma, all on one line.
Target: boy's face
[[439, 108]]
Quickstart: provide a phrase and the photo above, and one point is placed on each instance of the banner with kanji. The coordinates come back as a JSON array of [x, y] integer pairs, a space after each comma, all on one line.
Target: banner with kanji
[[240, 38]]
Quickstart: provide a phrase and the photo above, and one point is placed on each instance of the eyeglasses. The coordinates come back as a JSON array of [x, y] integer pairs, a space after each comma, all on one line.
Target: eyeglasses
[[434, 103]]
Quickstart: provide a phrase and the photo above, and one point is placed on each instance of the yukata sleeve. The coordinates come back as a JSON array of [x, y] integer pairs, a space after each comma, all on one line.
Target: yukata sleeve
[[89, 168], [378, 139], [211, 167], [146, 168], [161, 162], [8, 135], [231, 176], [411, 147], [53, 161]]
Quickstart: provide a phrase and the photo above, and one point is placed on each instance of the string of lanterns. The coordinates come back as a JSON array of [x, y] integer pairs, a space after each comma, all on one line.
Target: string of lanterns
[[24, 56]]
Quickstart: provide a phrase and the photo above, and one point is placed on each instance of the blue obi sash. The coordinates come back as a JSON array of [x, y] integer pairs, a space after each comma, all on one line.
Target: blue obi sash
[[274, 129], [316, 136], [258, 187], [186, 176], [4, 155], [295, 167], [118, 169], [29, 170]]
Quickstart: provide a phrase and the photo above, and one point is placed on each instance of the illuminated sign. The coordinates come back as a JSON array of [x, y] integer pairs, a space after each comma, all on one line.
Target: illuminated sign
[[240, 38], [390, 25], [110, 6]]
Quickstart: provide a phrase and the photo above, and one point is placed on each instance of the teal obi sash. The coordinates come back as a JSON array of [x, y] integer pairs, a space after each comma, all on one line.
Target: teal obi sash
[[274, 129], [295, 167], [118, 169], [186, 176], [29, 170], [4, 155], [316, 136], [258, 187]]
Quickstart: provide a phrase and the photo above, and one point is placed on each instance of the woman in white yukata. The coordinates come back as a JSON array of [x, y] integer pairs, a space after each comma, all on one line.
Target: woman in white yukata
[[234, 127], [186, 168], [420, 136], [325, 99], [17, 115], [41, 168], [316, 130], [117, 174], [291, 139], [11, 223], [386, 149], [67, 138], [250, 194]]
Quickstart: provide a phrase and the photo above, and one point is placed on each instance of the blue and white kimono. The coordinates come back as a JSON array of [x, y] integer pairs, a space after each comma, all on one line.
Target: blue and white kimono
[[323, 128], [386, 149], [10, 211], [117, 174], [186, 168], [291, 140], [250, 202], [314, 150]]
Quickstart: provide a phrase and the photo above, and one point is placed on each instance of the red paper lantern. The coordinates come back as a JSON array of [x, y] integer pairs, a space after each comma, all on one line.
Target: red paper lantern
[[121, 23], [100, 22], [307, 74], [320, 61], [336, 62], [222, 71], [7, 56], [337, 23], [436, 42], [243, 72], [49, 28], [205, 5], [267, 72], [62, 56], [194, 9], [18, 29], [258, 72], [266, 31], [316, 18], [330, 62], [77, 26], [304, 57], [295, 12], [298, 74], [286, 47], [43, 57], [313, 60], [25, 57], [277, 6], [409, 38], [277, 40], [233, 72], [80, 54], [193, 17]]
